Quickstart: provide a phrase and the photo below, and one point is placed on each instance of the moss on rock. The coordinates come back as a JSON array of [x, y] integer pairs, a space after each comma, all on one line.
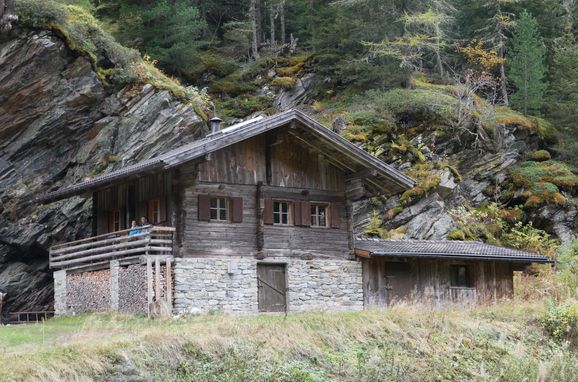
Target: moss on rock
[[115, 64], [540, 155]]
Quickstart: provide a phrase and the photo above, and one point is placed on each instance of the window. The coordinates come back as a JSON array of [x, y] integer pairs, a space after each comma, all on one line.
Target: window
[[281, 213], [319, 215], [115, 220], [219, 209], [459, 276], [155, 211]]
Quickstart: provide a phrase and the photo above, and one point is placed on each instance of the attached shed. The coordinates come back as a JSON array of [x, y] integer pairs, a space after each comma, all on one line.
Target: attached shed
[[438, 272]]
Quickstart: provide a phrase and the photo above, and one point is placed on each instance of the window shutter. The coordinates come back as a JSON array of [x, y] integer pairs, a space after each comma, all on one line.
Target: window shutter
[[268, 211], [305, 214], [336, 215], [297, 218], [204, 208], [237, 210]]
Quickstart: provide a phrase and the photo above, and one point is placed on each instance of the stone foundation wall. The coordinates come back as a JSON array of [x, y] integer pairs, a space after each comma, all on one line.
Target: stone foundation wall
[[88, 292], [230, 284]]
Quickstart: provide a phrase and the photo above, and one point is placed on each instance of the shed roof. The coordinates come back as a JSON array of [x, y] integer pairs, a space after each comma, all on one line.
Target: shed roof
[[338, 150], [466, 250]]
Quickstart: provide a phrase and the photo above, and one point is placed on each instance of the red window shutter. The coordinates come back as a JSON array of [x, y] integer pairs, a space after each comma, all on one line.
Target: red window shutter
[[305, 214], [268, 211], [204, 208], [237, 210], [297, 218], [336, 215]]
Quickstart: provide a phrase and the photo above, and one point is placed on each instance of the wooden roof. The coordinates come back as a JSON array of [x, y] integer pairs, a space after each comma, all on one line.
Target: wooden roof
[[466, 250], [380, 177]]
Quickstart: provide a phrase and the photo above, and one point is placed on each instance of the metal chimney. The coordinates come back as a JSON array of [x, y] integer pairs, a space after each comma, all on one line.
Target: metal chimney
[[215, 124]]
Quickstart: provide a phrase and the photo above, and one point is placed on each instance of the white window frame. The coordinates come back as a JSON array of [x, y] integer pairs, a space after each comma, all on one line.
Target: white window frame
[[314, 217], [219, 208]]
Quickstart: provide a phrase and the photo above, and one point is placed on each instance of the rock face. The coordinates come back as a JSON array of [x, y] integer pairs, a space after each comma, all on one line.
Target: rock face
[[484, 172], [59, 124]]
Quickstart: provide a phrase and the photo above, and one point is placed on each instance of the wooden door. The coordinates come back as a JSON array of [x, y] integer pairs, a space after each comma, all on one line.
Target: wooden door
[[398, 282], [272, 287], [385, 282], [374, 293]]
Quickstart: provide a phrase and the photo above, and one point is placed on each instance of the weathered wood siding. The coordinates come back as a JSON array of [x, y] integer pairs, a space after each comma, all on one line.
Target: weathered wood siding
[[131, 199], [428, 281], [202, 238], [263, 167], [290, 165]]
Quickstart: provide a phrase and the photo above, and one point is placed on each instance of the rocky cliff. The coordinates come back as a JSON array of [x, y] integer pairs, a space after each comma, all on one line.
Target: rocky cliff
[[59, 124]]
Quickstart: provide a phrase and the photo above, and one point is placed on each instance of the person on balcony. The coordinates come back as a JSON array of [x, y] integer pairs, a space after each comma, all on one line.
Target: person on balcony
[[134, 228], [144, 222]]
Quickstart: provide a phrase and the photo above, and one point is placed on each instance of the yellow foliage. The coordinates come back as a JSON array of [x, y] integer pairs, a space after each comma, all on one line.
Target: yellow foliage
[[477, 54]]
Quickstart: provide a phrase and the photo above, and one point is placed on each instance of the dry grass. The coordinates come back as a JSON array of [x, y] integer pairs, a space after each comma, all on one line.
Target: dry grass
[[407, 343]]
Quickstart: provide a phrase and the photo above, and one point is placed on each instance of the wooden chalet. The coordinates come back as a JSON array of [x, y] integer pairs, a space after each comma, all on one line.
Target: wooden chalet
[[255, 217]]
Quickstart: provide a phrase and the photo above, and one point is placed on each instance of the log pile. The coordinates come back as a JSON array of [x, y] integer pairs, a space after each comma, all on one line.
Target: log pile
[[88, 291], [132, 289]]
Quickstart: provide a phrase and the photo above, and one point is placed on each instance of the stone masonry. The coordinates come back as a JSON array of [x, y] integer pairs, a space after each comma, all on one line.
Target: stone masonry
[[230, 285]]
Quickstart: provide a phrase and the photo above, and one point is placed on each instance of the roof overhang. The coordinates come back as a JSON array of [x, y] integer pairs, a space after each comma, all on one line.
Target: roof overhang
[[378, 176], [444, 249]]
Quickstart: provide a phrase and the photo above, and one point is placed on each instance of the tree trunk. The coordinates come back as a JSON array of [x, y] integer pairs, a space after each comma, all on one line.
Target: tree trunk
[[438, 51], [282, 20], [254, 30], [503, 81], [259, 22], [272, 16], [7, 15]]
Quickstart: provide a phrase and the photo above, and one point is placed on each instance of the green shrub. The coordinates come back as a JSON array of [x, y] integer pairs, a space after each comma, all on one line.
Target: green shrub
[[567, 264], [540, 155], [40, 13], [501, 225], [427, 179], [375, 229], [542, 181], [457, 234], [561, 321], [242, 106], [232, 85]]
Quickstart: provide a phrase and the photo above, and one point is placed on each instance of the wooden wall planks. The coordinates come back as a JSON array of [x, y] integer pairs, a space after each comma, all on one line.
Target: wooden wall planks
[[428, 281]]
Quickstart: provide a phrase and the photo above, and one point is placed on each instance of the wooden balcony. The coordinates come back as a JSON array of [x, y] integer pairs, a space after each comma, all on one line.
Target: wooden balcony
[[121, 245]]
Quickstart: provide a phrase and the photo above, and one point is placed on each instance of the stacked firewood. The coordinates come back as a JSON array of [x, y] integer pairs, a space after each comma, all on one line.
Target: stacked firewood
[[88, 291], [132, 289]]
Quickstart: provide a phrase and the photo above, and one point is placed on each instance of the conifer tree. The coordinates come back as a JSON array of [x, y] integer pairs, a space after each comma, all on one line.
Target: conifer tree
[[562, 96], [527, 66]]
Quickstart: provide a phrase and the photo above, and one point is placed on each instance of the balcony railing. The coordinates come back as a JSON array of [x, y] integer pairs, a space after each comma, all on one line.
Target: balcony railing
[[118, 245], [463, 295]]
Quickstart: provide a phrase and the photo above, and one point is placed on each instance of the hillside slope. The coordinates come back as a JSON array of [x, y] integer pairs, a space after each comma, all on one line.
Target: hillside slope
[[504, 343]]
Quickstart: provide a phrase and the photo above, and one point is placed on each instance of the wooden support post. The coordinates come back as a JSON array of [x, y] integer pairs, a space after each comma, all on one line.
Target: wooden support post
[[157, 279], [149, 285], [169, 280], [260, 205], [495, 297], [350, 226]]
